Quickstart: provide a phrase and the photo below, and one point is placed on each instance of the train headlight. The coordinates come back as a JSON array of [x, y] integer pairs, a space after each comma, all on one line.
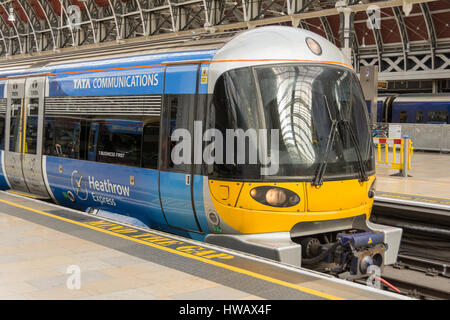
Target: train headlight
[[314, 46], [275, 196]]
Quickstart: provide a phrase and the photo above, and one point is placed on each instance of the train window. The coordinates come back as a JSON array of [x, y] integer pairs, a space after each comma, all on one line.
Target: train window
[[32, 127], [150, 145], [419, 116], [62, 137], [2, 131], [179, 107], [15, 127], [119, 142], [92, 142], [235, 106], [2, 122], [403, 116], [438, 116]]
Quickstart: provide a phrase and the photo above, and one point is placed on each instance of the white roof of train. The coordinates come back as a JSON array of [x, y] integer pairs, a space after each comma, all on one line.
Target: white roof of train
[[438, 97], [272, 45]]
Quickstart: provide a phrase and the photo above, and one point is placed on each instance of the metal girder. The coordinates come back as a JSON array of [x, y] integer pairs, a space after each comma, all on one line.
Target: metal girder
[[327, 28], [31, 26], [379, 44], [62, 26], [47, 27], [403, 34], [14, 29], [114, 20], [3, 40], [431, 31]]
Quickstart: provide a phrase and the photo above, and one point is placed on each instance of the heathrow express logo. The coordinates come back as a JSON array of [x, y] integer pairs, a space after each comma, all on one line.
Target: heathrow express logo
[[103, 191], [79, 186]]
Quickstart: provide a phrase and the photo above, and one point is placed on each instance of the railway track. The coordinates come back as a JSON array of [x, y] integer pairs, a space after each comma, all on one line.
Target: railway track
[[422, 270], [413, 289]]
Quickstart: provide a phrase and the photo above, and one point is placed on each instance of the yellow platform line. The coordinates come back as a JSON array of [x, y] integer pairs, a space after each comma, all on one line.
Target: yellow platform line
[[22, 194], [211, 262]]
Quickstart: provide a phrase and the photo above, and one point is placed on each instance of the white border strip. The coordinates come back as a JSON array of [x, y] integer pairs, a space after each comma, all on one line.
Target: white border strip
[[4, 169], [44, 173]]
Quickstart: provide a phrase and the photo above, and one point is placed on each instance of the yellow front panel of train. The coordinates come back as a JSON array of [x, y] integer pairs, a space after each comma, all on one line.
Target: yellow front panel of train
[[336, 195], [333, 200]]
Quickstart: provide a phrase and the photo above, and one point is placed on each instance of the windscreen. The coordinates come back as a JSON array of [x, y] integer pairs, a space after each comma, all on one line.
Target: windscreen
[[317, 111]]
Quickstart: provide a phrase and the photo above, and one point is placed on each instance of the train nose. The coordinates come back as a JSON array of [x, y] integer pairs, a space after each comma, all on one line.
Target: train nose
[[338, 195]]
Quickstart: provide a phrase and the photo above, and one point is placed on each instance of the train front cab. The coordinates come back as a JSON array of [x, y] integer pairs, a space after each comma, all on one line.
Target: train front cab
[[321, 193]]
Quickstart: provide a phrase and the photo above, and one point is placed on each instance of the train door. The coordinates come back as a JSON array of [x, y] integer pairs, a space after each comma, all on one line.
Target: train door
[[175, 167], [15, 94], [23, 152]]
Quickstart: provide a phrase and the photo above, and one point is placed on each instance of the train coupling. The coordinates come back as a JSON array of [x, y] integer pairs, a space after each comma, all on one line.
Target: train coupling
[[349, 257], [363, 251]]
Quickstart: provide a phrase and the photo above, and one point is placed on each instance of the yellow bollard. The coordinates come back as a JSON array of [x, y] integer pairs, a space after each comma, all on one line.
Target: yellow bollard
[[379, 152], [401, 154], [410, 149], [394, 158], [386, 153]]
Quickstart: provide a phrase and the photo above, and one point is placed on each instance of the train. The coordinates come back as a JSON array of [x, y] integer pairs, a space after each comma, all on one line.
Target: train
[[257, 141], [414, 108]]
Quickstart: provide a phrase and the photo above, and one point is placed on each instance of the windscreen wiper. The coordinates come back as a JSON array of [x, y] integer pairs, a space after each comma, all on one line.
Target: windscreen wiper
[[361, 162], [318, 179]]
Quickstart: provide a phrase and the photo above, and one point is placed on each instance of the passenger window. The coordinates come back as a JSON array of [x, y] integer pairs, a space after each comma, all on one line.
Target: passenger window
[[179, 107], [403, 116], [439, 116], [150, 145], [62, 137], [419, 116], [92, 143], [32, 128], [2, 131], [15, 127], [119, 142]]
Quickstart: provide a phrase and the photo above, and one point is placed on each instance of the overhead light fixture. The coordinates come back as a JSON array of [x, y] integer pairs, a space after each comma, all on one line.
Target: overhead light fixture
[[11, 16]]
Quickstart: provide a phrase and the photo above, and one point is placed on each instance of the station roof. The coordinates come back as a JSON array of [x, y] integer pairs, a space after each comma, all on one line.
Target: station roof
[[415, 41]]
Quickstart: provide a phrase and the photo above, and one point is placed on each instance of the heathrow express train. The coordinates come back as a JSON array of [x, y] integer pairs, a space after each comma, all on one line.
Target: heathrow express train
[[414, 108], [257, 141]]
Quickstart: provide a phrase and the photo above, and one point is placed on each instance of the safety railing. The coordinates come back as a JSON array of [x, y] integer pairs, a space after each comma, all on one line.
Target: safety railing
[[387, 154]]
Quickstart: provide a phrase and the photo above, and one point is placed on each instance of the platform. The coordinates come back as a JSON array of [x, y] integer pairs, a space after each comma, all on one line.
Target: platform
[[40, 241], [429, 180]]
